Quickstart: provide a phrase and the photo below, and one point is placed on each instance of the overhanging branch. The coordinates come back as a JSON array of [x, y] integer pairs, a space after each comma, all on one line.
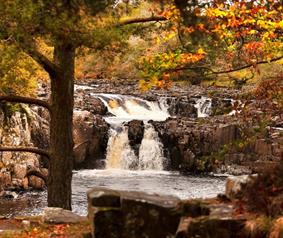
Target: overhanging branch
[[225, 71], [247, 66], [142, 20], [25, 149], [27, 100], [41, 59]]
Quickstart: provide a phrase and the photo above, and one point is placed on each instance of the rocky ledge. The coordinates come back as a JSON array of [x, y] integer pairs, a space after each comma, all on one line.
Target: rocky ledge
[[246, 142], [118, 214]]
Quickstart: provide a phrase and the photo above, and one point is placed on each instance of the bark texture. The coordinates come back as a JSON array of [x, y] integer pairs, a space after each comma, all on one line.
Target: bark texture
[[61, 141]]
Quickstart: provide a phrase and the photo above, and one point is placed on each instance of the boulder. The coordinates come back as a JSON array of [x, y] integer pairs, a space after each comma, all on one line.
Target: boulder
[[90, 139], [56, 215], [132, 214], [87, 102], [234, 185], [135, 134]]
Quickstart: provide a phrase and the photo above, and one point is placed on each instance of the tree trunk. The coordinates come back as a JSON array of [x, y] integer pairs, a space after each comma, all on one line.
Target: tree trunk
[[61, 139]]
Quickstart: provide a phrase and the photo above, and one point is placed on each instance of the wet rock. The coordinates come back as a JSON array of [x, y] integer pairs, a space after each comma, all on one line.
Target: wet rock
[[55, 215], [135, 134], [132, 214], [182, 107], [86, 102], [234, 185], [90, 138]]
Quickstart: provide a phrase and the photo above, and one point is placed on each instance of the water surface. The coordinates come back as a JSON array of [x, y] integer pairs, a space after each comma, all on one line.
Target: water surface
[[159, 182]]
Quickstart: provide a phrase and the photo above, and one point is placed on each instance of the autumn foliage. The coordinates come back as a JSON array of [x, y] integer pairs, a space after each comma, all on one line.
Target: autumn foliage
[[231, 35]]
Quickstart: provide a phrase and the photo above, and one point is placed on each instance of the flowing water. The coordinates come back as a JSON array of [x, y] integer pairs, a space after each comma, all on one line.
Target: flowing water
[[124, 169], [150, 181], [203, 106]]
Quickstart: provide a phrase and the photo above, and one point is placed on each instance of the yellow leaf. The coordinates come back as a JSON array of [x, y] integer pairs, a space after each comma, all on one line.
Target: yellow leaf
[[201, 51]]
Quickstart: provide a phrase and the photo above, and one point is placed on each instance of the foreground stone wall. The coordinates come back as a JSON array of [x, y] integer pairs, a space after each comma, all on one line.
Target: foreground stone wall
[[120, 214]]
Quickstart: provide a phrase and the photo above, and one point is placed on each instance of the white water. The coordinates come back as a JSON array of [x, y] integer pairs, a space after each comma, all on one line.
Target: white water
[[120, 155], [119, 152], [151, 151], [203, 106], [126, 108]]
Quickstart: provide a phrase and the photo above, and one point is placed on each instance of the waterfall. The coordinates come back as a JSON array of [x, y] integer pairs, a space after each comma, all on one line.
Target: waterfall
[[203, 106], [123, 109], [120, 155], [126, 108], [119, 152], [151, 150]]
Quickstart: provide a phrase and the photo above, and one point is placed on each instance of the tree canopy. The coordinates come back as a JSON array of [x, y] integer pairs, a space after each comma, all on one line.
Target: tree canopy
[[210, 38]]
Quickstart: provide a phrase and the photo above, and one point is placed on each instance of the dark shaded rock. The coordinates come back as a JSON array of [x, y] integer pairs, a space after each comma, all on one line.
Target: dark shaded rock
[[108, 224], [211, 228], [90, 137], [150, 215], [87, 102], [137, 215], [195, 209], [40, 132], [225, 134], [135, 134], [181, 106], [221, 106]]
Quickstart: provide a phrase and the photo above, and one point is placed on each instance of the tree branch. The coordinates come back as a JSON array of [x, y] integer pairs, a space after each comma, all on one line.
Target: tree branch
[[247, 66], [41, 59], [27, 100], [26, 149], [226, 71], [142, 20], [29, 47]]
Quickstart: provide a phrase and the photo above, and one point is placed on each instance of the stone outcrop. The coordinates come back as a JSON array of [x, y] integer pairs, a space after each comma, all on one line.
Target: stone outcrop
[[90, 134], [123, 214], [15, 130], [120, 214], [181, 106], [85, 102], [90, 138], [217, 144], [185, 141]]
